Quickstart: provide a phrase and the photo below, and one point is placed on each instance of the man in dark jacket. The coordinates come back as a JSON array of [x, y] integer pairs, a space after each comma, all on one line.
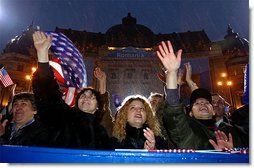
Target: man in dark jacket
[[76, 127], [24, 129]]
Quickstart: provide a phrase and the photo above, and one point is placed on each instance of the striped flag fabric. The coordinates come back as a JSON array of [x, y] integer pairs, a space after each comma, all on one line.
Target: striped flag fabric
[[68, 66], [5, 78]]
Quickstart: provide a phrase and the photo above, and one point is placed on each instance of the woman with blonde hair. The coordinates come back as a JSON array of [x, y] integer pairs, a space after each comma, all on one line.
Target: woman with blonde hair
[[136, 127]]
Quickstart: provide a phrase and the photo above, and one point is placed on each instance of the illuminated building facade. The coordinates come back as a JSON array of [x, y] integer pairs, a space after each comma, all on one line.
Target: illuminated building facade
[[126, 52]]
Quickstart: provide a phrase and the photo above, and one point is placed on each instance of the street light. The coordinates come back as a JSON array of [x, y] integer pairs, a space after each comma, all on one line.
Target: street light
[[219, 83], [29, 78], [223, 74], [227, 83]]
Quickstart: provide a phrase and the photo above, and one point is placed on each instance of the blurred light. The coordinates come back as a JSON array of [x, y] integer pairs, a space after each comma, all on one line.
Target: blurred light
[[111, 48], [223, 74], [229, 83], [148, 49], [28, 77], [34, 69], [219, 83], [4, 103]]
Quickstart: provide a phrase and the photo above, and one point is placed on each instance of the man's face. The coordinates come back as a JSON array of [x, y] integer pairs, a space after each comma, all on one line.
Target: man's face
[[136, 115], [218, 105], [154, 101], [87, 102], [22, 111], [202, 109]]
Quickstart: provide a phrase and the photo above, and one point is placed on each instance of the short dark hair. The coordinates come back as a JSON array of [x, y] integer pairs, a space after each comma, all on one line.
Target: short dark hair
[[95, 92], [217, 94], [98, 114], [25, 96]]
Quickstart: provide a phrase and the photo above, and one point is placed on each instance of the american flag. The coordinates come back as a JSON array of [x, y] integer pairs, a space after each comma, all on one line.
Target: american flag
[[68, 66], [5, 78]]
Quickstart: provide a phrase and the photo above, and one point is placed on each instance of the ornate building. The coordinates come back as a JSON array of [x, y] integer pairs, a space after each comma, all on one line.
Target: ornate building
[[126, 53], [235, 55]]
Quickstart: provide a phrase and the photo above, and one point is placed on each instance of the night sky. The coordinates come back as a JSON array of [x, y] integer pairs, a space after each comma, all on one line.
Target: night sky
[[161, 16]]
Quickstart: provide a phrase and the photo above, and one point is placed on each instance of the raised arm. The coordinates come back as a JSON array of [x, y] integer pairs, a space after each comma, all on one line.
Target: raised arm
[[105, 117], [101, 76], [51, 107]]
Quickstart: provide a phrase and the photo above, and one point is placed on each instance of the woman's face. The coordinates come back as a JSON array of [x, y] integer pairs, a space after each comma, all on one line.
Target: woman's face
[[136, 114], [202, 109], [87, 102]]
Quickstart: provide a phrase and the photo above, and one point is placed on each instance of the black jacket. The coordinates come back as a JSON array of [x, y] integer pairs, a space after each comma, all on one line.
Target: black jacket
[[70, 127], [135, 139], [34, 134]]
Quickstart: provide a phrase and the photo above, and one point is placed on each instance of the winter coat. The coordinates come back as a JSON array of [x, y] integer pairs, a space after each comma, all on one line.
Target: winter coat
[[70, 127], [190, 133], [34, 134]]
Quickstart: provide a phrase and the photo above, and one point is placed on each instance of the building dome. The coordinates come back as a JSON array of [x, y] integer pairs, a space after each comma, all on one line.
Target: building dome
[[234, 44], [129, 33], [21, 43]]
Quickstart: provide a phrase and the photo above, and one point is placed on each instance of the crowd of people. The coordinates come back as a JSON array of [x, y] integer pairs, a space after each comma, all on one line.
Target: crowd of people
[[161, 121]]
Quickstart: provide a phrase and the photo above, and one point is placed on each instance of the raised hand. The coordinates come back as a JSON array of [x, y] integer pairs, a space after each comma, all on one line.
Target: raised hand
[[42, 44], [150, 139], [170, 61], [188, 70], [180, 80], [99, 74], [223, 142]]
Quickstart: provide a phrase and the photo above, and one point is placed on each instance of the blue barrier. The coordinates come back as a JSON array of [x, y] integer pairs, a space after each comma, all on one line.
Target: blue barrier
[[18, 154]]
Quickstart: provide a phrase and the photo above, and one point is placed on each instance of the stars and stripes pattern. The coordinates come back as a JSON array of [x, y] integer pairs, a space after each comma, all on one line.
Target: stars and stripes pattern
[[68, 66], [5, 78]]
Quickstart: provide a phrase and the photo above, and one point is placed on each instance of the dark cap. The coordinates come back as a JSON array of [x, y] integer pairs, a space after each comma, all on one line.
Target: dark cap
[[200, 93]]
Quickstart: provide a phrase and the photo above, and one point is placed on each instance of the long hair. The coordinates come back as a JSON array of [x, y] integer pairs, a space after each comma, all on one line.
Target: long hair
[[119, 131]]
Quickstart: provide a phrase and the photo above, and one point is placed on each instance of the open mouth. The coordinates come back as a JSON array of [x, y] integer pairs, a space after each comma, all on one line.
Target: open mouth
[[138, 116], [86, 103], [204, 109]]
